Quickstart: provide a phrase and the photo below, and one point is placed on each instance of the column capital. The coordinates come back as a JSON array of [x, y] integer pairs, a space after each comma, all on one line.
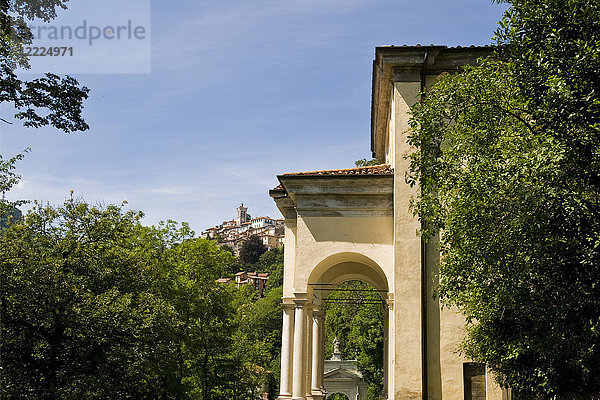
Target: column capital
[[300, 299], [318, 312], [390, 301], [301, 303], [287, 303]]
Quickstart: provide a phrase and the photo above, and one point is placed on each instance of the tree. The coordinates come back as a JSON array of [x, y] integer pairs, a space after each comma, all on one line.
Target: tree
[[251, 250], [363, 162], [204, 366], [81, 312], [508, 170], [272, 263], [258, 339], [338, 396], [9, 213], [49, 100], [95, 305]]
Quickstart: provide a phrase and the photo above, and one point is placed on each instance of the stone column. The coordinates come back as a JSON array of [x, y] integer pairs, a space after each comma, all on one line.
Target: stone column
[[309, 353], [386, 339], [391, 347], [298, 388], [287, 340], [317, 354]]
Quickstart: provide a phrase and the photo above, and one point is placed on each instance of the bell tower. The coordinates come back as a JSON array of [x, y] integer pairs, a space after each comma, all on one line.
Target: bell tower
[[242, 214]]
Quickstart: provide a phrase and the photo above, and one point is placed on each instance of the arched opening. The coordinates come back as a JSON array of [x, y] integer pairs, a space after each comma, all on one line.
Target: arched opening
[[337, 396], [350, 293]]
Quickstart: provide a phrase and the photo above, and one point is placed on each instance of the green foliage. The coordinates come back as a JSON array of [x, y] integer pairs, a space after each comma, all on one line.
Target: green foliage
[[80, 311], [337, 396], [272, 263], [95, 306], [251, 250], [8, 178], [49, 100], [259, 338], [354, 314], [205, 318], [365, 163], [509, 174]]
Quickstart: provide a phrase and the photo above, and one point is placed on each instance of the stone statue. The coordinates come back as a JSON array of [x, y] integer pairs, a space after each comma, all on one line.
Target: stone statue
[[337, 353]]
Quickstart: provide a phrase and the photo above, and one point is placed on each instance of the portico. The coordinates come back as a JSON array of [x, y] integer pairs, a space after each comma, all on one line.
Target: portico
[[356, 224]]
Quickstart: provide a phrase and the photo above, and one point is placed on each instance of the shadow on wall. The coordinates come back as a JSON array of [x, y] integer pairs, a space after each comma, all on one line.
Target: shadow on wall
[[375, 230]]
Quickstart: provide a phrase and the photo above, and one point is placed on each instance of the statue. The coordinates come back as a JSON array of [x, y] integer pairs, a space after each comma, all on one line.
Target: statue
[[337, 353]]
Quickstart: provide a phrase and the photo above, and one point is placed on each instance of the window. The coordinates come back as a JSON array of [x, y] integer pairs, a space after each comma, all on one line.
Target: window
[[474, 376]]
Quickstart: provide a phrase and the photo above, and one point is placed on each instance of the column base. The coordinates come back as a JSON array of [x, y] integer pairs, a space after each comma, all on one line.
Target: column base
[[298, 398], [285, 397], [318, 395]]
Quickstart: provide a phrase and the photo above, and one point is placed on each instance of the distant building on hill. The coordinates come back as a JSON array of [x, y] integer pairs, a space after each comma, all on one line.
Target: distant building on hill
[[235, 232], [257, 280]]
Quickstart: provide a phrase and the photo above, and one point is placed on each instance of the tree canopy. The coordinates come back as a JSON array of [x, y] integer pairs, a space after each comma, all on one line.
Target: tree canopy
[[508, 169], [95, 305], [252, 249], [49, 100]]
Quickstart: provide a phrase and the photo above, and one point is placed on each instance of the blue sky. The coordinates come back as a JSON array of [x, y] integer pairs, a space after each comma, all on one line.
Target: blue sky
[[238, 92]]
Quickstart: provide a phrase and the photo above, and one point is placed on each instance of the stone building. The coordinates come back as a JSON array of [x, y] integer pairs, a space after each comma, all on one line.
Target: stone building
[[257, 280], [342, 376], [355, 224]]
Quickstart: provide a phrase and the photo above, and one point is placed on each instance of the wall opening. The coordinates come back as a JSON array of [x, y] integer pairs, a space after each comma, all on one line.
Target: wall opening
[[337, 396], [475, 383]]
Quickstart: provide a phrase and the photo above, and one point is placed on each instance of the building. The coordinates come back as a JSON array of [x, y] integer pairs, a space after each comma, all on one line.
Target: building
[[342, 376], [356, 224], [255, 279], [234, 233]]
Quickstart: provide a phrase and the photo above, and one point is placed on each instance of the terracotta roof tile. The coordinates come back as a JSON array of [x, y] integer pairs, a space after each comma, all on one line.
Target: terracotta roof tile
[[438, 45], [382, 169]]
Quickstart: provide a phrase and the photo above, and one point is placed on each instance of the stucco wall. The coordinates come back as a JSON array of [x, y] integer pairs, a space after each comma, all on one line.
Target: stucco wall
[[320, 238], [407, 261]]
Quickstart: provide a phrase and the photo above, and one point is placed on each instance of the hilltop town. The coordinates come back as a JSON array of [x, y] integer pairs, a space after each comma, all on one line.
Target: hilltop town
[[233, 233]]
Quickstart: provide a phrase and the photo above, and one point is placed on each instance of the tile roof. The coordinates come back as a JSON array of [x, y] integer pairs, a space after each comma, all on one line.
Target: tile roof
[[382, 169], [438, 45]]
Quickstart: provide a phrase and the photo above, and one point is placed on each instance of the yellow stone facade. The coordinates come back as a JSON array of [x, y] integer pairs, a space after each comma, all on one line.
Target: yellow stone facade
[[356, 224]]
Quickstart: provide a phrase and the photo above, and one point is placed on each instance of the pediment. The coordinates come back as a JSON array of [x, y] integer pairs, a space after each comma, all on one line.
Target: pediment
[[340, 373]]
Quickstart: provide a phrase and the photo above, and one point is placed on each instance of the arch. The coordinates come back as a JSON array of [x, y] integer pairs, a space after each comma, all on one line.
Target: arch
[[303, 322], [325, 277], [342, 267]]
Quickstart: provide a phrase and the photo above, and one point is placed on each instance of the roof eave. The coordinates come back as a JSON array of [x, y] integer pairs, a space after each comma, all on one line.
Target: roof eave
[[430, 60]]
